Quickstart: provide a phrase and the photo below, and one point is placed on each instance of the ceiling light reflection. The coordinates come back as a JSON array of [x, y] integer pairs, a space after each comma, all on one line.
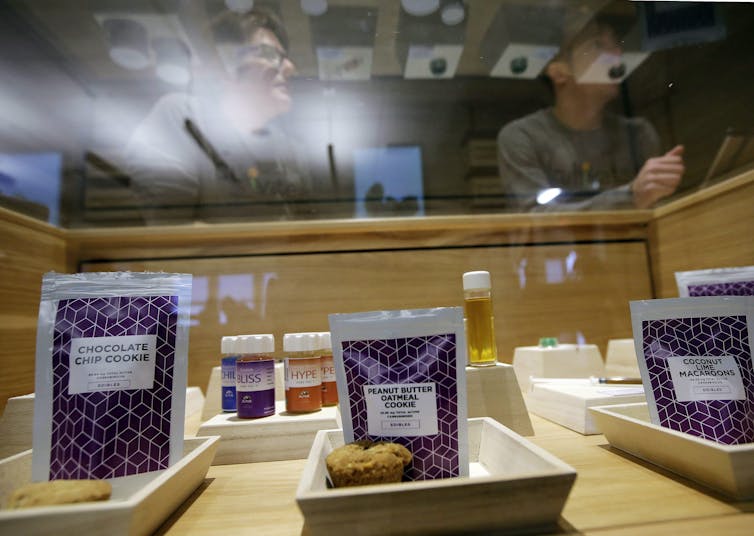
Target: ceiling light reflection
[[314, 8], [173, 60], [453, 13], [128, 42], [420, 8]]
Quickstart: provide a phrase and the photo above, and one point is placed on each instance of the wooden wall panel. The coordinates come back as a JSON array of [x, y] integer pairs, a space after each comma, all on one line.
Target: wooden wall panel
[[547, 290], [713, 229], [27, 250]]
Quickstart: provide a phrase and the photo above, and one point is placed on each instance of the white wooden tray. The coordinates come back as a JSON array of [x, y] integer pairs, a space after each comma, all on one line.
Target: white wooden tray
[[568, 404], [139, 503], [726, 468], [282, 436], [513, 485], [562, 361]]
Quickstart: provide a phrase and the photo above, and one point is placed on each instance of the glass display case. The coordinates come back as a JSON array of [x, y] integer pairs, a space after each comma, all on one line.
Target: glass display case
[[140, 113], [308, 157]]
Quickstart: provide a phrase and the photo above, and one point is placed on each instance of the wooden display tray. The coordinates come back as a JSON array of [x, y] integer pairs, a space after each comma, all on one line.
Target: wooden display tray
[[283, 436], [514, 485], [139, 504], [568, 404], [725, 468]]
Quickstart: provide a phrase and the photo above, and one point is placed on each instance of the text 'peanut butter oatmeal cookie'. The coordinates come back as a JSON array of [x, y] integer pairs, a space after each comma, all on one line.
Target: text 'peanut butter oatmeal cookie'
[[58, 492], [367, 462]]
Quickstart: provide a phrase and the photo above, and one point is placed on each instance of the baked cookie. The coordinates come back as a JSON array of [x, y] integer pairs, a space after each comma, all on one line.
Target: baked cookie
[[59, 492], [367, 462]]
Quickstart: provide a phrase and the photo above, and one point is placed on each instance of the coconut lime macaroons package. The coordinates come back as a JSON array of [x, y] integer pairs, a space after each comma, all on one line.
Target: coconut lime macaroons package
[[695, 358], [716, 282], [401, 378], [111, 367]]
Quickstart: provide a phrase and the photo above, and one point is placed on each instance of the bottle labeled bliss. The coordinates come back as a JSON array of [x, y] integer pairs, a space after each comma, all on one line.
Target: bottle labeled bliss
[[479, 319], [255, 376]]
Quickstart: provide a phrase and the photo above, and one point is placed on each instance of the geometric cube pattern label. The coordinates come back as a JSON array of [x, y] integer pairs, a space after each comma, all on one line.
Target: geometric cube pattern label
[[734, 288], [109, 434], [724, 421], [426, 359]]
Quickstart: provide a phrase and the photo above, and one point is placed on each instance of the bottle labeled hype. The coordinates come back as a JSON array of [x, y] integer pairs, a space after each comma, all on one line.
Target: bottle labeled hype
[[303, 373], [329, 385], [228, 374], [255, 376], [479, 319]]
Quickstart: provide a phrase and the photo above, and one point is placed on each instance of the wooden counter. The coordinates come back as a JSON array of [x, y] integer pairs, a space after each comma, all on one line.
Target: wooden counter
[[614, 493]]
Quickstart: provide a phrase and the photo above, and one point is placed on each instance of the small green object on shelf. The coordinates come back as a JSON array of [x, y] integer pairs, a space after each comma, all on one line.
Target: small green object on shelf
[[548, 342]]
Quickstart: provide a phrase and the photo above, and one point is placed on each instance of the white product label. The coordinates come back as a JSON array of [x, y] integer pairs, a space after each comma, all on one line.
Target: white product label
[[401, 410], [328, 369], [111, 363], [302, 373], [255, 376], [706, 378]]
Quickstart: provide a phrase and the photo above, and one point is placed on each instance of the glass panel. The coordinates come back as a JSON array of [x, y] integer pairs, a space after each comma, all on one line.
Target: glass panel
[[122, 112]]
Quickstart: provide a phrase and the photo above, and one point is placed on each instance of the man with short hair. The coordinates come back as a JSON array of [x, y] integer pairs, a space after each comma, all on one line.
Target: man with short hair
[[215, 153], [576, 155]]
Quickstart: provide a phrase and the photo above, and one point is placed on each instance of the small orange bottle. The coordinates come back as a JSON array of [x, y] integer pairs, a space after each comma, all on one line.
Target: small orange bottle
[[329, 385], [303, 373]]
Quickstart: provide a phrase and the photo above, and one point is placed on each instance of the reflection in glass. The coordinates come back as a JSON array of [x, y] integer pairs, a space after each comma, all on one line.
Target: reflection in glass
[[388, 181], [31, 184], [183, 111]]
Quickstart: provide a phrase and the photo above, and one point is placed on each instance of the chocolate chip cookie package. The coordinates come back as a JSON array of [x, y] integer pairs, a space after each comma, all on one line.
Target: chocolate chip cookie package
[[111, 370], [401, 378], [695, 358]]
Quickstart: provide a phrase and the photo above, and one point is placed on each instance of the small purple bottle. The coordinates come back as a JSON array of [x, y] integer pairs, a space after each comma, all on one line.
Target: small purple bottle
[[255, 376]]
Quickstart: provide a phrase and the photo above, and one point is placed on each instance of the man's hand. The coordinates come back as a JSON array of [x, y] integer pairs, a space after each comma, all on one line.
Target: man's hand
[[658, 178]]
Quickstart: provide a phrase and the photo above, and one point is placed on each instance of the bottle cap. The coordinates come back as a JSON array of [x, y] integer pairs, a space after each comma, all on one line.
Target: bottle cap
[[476, 280], [300, 342], [325, 342], [226, 344], [255, 344], [548, 342]]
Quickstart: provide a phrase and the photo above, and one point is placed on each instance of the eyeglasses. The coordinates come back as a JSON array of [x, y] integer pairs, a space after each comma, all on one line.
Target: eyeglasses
[[269, 53]]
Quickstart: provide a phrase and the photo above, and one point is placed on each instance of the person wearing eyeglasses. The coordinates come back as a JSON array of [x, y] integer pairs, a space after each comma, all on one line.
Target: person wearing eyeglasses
[[218, 152], [577, 155]]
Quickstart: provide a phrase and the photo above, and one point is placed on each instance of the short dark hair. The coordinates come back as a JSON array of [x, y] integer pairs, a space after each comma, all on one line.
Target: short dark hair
[[599, 23], [264, 19], [229, 26]]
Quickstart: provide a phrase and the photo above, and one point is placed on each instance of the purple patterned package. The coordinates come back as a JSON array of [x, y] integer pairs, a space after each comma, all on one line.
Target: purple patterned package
[[716, 282], [401, 377], [695, 358], [111, 370]]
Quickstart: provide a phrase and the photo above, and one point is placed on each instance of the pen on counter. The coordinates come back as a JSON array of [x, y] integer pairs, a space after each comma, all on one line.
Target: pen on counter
[[616, 380]]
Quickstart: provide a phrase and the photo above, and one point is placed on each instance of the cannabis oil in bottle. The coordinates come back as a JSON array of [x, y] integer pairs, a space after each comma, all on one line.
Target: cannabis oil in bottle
[[480, 322]]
